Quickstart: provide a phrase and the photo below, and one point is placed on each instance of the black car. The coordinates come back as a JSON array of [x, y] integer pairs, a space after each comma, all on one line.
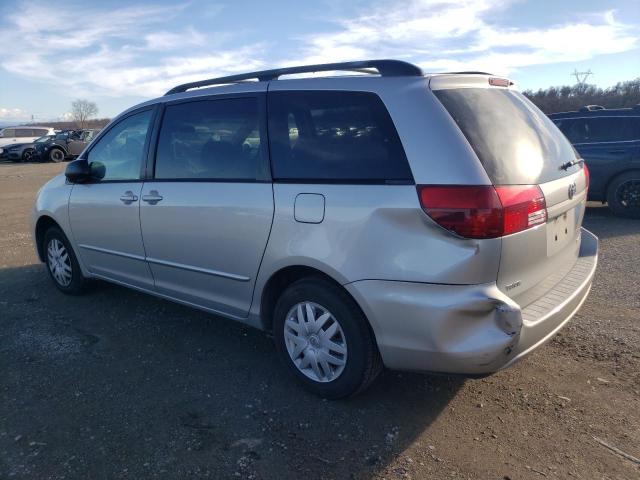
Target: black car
[[609, 142], [22, 152], [65, 145]]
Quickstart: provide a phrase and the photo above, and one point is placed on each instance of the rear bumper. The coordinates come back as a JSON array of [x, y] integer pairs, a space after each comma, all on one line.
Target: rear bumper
[[469, 329]]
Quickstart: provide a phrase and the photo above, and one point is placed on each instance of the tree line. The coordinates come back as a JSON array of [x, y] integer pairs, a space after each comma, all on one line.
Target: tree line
[[567, 98]]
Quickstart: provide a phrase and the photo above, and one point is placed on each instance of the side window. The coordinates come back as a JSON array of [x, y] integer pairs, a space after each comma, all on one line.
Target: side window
[[39, 132], [24, 132], [575, 130], [118, 154], [8, 132], [210, 139], [610, 129], [334, 136]]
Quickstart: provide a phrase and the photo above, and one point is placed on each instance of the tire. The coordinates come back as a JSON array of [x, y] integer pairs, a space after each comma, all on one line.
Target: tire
[[361, 362], [61, 263], [623, 195], [56, 155], [27, 155]]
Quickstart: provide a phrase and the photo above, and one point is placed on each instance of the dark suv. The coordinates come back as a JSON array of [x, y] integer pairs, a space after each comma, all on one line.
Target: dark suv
[[67, 144], [609, 141]]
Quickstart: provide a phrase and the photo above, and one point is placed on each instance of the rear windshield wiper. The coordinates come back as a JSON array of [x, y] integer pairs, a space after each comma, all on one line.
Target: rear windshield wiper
[[567, 165]]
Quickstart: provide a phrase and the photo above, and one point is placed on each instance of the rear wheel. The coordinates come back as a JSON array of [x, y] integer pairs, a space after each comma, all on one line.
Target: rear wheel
[[62, 263], [623, 195], [56, 155], [27, 155], [324, 339]]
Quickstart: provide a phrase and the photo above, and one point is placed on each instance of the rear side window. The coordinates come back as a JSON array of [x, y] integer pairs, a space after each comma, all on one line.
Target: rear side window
[[24, 132], [610, 129], [210, 139], [515, 142], [328, 136], [39, 132]]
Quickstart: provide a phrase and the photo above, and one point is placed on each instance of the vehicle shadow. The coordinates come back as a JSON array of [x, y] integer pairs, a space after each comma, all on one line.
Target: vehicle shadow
[[600, 220], [119, 384]]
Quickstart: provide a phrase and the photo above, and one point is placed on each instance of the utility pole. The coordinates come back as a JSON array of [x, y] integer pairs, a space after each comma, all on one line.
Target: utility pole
[[581, 77]]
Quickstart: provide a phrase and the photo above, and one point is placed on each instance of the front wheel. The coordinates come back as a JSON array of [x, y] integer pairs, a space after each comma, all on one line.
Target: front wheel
[[623, 195], [62, 263], [56, 155], [324, 339], [27, 155]]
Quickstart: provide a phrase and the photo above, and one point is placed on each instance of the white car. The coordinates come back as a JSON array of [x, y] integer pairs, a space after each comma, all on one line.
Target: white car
[[23, 134]]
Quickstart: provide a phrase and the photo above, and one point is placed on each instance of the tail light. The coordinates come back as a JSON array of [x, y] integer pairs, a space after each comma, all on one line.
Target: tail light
[[586, 175], [484, 211]]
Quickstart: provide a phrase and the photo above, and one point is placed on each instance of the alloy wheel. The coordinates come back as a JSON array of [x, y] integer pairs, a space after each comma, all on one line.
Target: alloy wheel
[[315, 342], [27, 155], [628, 194]]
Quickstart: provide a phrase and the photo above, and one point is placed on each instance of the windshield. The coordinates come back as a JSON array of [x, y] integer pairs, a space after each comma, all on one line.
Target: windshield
[[516, 143], [43, 139]]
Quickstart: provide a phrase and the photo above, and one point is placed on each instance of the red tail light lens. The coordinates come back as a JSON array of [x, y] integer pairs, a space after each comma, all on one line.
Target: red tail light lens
[[586, 174], [484, 211]]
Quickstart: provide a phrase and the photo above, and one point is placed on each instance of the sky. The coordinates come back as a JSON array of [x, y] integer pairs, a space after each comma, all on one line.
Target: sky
[[119, 53]]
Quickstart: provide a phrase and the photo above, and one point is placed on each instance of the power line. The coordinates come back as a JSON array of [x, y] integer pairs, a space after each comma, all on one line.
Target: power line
[[581, 77]]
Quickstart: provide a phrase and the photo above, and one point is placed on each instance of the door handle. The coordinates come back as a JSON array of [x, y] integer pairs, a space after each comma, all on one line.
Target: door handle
[[128, 198], [153, 197]]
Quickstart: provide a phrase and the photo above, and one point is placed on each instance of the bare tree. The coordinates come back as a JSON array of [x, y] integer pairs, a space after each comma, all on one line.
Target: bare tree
[[83, 110]]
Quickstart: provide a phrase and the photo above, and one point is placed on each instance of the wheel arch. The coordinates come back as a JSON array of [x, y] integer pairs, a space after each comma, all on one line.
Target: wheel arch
[[281, 279], [59, 147], [44, 223]]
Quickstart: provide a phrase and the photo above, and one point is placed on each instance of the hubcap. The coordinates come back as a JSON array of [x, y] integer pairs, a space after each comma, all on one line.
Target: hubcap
[[315, 342], [57, 155], [628, 194], [59, 262]]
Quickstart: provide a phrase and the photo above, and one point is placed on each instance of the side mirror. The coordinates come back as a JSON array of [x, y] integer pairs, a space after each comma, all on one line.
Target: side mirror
[[78, 171]]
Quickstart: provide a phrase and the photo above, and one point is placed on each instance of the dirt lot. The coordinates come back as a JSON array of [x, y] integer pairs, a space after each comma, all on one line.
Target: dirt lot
[[116, 384]]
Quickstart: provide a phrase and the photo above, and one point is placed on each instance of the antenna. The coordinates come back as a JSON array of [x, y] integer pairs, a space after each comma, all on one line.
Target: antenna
[[581, 77]]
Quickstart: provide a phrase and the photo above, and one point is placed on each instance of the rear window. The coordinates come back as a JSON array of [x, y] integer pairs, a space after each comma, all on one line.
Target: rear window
[[516, 143], [334, 137]]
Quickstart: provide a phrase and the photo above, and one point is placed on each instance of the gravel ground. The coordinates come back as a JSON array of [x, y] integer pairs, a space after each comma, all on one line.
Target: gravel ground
[[119, 385]]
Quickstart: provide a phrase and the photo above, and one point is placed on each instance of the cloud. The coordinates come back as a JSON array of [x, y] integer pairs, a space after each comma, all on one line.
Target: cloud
[[13, 114], [144, 50], [459, 35], [123, 51]]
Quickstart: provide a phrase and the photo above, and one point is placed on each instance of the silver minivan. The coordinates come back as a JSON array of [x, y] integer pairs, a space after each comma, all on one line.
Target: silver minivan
[[385, 218]]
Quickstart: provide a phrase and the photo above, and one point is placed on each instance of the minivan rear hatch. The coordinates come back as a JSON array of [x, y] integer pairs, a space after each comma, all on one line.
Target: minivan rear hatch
[[518, 145]]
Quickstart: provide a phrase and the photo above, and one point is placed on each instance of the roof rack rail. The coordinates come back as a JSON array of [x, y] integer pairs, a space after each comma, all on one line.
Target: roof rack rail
[[591, 108], [386, 68], [469, 72]]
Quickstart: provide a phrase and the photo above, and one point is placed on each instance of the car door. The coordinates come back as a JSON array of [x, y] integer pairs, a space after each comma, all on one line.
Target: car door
[[207, 211], [608, 145], [76, 145], [105, 212]]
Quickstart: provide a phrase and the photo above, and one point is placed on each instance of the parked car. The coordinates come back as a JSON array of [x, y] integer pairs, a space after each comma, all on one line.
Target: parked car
[[65, 145], [22, 134], [426, 223], [609, 141], [22, 152]]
